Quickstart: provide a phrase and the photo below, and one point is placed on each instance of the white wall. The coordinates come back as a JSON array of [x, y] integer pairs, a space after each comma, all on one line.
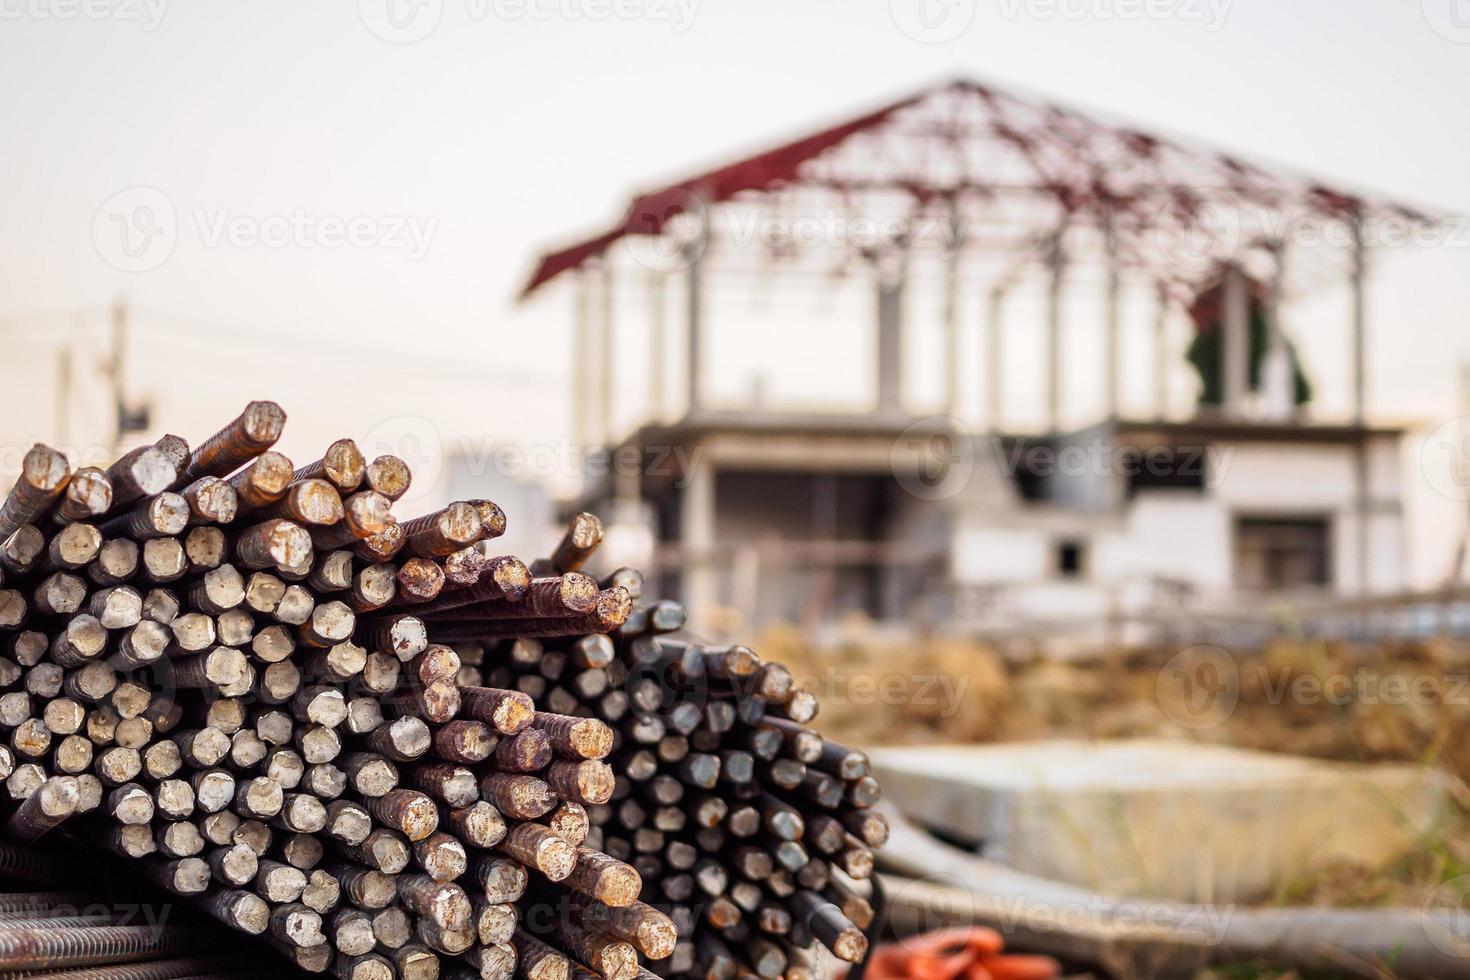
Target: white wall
[[1186, 535], [1169, 534], [992, 555]]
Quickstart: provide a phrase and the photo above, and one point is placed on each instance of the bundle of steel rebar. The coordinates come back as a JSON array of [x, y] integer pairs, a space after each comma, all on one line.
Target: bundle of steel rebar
[[65, 919], [746, 827], [390, 752]]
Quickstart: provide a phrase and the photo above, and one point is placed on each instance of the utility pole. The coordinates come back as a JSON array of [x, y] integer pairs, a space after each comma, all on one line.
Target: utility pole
[[116, 371], [129, 417], [63, 393]]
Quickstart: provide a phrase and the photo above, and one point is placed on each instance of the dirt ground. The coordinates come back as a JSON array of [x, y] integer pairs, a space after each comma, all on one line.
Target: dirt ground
[[1409, 703]]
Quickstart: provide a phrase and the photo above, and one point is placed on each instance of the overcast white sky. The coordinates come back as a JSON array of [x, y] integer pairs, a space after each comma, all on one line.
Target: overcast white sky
[[513, 124]]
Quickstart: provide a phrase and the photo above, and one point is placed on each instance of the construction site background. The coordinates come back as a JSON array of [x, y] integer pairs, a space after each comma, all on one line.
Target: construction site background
[[1405, 702]]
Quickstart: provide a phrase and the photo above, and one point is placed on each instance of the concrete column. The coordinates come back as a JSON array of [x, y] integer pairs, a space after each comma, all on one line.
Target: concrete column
[[606, 356], [952, 316], [1112, 323], [1360, 397], [1235, 344], [697, 540], [994, 372], [694, 325], [1359, 324], [1161, 353], [582, 361], [890, 271], [1277, 382], [657, 346], [1056, 264], [1361, 511]]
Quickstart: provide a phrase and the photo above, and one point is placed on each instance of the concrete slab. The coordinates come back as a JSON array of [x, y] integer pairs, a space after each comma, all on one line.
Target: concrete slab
[[1163, 819]]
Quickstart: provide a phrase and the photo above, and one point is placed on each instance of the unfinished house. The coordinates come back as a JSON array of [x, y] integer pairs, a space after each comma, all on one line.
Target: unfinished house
[[979, 357]]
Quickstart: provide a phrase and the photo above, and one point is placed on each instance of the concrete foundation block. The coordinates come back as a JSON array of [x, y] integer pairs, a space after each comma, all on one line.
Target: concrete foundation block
[[1150, 818]]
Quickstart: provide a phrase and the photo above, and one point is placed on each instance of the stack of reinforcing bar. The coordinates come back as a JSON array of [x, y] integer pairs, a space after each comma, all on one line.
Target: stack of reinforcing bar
[[83, 920], [388, 752]]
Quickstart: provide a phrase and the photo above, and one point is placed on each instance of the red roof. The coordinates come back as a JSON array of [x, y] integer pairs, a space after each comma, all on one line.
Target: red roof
[[963, 139]]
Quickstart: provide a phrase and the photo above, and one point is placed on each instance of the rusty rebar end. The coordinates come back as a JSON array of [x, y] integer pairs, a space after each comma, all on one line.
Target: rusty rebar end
[[45, 469], [512, 576], [389, 476], [262, 423]]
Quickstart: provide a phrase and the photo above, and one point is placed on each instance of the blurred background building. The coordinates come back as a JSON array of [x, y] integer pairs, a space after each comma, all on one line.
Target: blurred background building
[[971, 214]]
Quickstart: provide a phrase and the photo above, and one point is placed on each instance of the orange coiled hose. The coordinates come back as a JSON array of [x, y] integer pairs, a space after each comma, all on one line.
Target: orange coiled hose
[[962, 953]]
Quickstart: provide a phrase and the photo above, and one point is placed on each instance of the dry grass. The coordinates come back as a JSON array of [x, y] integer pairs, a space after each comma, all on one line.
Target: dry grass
[[961, 691], [975, 695]]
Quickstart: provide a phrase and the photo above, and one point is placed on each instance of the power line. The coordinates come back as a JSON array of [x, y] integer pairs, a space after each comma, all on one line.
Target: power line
[[66, 318], [255, 340]]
